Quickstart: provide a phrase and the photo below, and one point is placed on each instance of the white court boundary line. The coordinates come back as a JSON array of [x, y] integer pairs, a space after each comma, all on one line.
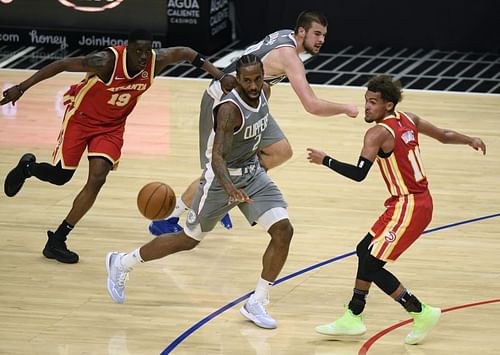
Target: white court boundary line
[[312, 85]]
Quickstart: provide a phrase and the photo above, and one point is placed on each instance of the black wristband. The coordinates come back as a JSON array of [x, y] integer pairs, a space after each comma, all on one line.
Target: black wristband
[[198, 61], [19, 88]]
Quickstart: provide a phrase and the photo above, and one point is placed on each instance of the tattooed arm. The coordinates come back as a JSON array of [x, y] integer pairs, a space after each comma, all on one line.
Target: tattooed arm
[[228, 120]]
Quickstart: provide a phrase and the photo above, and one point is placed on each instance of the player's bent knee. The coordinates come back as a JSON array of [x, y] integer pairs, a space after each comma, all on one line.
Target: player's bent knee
[[269, 218], [282, 232], [372, 265], [63, 177], [194, 232], [188, 242]]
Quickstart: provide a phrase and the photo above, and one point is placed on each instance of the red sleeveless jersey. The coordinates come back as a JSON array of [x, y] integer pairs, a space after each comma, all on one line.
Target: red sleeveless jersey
[[403, 171], [109, 103]]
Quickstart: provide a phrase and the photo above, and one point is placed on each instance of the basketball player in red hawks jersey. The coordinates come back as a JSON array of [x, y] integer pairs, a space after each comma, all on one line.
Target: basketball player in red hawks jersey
[[394, 143], [96, 112]]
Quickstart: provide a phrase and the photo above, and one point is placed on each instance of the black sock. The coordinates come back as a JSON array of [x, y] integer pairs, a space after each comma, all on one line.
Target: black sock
[[409, 301], [358, 301], [63, 231]]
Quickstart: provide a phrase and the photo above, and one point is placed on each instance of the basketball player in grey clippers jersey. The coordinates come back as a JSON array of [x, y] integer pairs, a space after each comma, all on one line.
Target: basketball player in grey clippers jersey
[[233, 177], [279, 53]]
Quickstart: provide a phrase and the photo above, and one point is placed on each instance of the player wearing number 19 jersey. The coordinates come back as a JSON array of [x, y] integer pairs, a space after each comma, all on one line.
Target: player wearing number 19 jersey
[[96, 111], [393, 142], [95, 116]]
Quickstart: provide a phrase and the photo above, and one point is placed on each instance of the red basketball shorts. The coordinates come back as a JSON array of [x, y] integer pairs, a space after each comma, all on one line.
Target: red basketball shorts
[[403, 221], [80, 132]]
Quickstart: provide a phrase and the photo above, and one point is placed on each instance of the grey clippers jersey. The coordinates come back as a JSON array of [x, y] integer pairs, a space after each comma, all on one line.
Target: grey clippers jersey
[[247, 138], [281, 38]]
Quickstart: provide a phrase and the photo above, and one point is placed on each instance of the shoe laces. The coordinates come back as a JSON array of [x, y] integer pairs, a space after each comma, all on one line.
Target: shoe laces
[[260, 304], [122, 278]]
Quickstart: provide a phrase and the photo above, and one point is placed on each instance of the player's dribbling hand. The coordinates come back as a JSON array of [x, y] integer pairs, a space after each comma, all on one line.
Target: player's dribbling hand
[[351, 111], [12, 94], [238, 196], [315, 156], [478, 144]]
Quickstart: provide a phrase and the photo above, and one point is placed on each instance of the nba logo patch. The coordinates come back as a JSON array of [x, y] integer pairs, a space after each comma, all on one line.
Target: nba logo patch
[[390, 237]]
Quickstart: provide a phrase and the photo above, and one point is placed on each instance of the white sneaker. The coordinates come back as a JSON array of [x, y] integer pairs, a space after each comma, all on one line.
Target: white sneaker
[[117, 276], [254, 310]]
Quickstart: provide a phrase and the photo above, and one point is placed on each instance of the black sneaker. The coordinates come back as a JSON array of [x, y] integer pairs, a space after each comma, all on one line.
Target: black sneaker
[[56, 249], [16, 177]]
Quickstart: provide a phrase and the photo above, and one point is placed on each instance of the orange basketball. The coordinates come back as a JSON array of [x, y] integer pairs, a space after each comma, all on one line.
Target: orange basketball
[[156, 200]]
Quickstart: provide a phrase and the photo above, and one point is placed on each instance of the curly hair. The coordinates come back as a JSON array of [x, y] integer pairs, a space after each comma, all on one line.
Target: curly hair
[[389, 89]]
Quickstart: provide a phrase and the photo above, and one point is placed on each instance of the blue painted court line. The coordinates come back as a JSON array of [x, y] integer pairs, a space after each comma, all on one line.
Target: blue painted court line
[[221, 310]]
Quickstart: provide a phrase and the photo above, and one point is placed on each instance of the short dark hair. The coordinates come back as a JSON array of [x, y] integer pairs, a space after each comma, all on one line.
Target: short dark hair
[[246, 60], [389, 89], [307, 17], [140, 35]]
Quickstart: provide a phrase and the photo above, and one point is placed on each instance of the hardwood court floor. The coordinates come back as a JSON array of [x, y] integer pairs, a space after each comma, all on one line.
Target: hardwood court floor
[[50, 308]]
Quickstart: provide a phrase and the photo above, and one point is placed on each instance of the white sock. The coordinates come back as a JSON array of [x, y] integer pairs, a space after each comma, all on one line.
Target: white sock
[[262, 290], [130, 260], [180, 208]]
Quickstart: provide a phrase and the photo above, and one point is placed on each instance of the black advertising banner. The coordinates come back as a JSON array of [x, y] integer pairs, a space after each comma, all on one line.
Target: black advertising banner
[[202, 24], [85, 23]]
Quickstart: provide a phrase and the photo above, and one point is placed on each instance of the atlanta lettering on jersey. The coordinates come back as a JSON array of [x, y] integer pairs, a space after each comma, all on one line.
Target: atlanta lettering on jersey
[[140, 87]]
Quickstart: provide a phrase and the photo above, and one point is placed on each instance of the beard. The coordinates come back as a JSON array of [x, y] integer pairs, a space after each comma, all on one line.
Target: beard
[[311, 49]]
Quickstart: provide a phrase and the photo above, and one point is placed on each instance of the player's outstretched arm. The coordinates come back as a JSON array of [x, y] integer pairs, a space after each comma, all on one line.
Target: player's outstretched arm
[[294, 69], [445, 135], [174, 55], [100, 63], [374, 140]]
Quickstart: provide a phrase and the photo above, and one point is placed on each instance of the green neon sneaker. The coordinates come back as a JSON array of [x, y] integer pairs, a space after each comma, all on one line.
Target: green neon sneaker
[[348, 324], [423, 322]]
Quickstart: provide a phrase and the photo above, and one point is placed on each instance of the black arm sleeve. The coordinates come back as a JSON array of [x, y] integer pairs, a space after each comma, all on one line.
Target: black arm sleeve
[[357, 173]]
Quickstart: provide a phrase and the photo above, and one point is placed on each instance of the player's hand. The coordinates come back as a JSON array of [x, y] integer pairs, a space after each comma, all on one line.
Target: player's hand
[[237, 196], [227, 83], [478, 144], [351, 111], [12, 94], [315, 156]]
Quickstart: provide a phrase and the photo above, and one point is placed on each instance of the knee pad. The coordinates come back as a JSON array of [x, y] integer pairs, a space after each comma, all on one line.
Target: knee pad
[[368, 267]]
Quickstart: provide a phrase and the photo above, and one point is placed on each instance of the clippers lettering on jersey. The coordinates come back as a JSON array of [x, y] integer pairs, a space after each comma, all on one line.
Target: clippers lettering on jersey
[[257, 128]]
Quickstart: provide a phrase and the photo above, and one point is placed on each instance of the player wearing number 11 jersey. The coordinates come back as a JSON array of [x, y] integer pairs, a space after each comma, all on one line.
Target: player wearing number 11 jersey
[[393, 142], [95, 116]]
